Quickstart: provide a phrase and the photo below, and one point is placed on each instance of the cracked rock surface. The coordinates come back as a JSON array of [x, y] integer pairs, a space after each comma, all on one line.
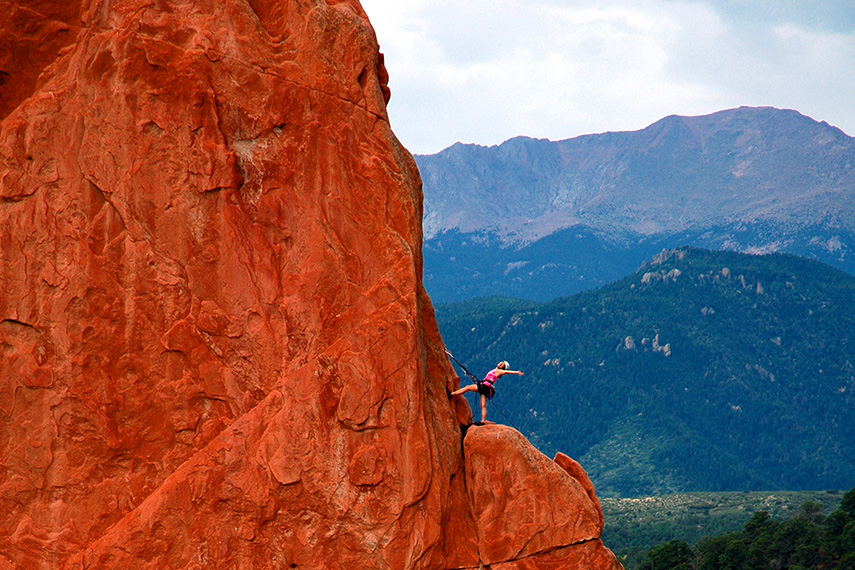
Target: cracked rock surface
[[215, 346]]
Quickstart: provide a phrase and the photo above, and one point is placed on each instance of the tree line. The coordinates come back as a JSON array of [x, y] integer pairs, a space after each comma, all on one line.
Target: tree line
[[807, 541]]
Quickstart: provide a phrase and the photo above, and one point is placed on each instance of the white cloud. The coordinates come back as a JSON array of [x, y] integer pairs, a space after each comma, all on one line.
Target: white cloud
[[483, 72]]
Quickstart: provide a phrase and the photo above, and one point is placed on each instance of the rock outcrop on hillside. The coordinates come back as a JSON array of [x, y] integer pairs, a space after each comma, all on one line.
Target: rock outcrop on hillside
[[215, 348]]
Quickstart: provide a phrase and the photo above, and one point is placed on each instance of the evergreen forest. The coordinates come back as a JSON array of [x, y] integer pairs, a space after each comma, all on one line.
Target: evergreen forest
[[702, 371]]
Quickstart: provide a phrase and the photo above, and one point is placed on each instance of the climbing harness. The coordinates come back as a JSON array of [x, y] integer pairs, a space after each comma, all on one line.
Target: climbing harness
[[477, 381]]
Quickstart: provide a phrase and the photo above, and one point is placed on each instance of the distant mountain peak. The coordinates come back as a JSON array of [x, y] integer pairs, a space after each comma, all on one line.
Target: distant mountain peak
[[750, 178], [745, 163]]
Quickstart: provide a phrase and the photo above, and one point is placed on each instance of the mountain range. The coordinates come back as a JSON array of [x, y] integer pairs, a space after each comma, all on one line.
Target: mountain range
[[539, 219], [701, 371]]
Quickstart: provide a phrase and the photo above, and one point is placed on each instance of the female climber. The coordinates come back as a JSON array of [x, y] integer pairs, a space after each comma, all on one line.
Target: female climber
[[485, 386]]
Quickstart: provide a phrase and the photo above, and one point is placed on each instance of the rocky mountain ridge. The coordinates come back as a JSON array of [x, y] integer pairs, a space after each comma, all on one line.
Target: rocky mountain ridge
[[535, 212]]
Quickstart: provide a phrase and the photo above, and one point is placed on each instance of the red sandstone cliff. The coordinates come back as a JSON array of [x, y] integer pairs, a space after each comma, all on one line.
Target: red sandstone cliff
[[215, 349]]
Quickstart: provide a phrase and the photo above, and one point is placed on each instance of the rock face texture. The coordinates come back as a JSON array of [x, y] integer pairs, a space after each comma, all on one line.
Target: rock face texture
[[215, 347]]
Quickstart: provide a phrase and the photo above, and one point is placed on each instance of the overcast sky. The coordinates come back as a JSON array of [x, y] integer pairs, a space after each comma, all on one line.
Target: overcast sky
[[483, 71]]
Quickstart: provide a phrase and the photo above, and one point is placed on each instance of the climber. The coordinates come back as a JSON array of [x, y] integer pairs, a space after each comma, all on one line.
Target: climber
[[485, 387]]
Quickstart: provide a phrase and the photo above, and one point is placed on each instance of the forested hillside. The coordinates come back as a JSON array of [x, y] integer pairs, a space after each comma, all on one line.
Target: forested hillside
[[703, 371]]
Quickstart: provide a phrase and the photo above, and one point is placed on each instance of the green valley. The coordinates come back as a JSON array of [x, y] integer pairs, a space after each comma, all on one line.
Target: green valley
[[635, 525]]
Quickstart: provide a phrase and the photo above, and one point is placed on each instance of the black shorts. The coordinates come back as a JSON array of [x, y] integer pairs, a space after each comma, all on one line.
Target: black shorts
[[486, 390]]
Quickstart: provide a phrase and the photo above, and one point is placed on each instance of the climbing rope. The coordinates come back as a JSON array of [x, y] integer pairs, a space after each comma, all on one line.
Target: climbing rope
[[460, 364], [495, 405]]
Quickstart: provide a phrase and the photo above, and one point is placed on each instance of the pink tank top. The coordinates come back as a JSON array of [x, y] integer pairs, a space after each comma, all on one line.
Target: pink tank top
[[490, 378]]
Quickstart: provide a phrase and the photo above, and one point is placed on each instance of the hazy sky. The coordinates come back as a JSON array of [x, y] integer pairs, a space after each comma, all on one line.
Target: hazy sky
[[483, 71]]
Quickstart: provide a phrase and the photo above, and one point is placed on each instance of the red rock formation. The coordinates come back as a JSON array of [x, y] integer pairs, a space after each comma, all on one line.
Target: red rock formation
[[215, 349], [523, 503]]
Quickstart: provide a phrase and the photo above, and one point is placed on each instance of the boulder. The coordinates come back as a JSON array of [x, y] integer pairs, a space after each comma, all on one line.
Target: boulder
[[523, 502]]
